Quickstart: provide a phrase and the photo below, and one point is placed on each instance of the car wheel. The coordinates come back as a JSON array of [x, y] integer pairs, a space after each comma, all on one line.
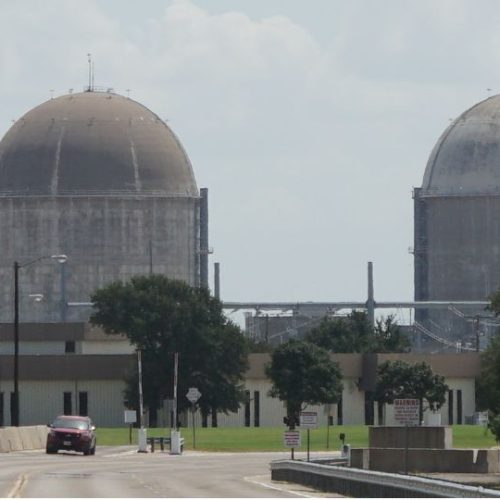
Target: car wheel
[[92, 451], [87, 451]]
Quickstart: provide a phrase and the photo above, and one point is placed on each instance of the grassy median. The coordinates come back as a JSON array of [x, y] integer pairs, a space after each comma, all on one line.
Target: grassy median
[[271, 438]]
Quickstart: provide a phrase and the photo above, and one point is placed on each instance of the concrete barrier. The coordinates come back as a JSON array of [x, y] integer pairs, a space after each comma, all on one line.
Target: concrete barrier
[[414, 437], [420, 460], [42, 431], [13, 438], [22, 438]]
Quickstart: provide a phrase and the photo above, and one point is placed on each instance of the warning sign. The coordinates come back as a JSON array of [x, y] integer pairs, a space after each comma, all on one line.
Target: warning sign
[[291, 439], [407, 411], [308, 419]]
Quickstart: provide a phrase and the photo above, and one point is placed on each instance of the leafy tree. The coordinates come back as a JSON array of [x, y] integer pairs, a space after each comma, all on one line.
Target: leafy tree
[[488, 383], [302, 374], [355, 334], [494, 426], [162, 316], [343, 335], [494, 302], [400, 380], [388, 337]]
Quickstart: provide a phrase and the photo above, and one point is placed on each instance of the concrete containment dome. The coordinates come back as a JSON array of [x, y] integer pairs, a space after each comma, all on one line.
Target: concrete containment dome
[[93, 142], [102, 179], [457, 225], [466, 158]]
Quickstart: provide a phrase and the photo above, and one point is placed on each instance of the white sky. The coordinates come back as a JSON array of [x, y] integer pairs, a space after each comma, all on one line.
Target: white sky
[[310, 121]]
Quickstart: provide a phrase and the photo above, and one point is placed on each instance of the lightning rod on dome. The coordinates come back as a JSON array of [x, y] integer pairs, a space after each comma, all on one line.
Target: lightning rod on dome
[[90, 88]]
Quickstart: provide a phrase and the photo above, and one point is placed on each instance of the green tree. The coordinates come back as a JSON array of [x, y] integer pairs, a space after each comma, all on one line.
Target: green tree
[[400, 380], [488, 383], [162, 316], [355, 334], [303, 374], [343, 335], [388, 337]]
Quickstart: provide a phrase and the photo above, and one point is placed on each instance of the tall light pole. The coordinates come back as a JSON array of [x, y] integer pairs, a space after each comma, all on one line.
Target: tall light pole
[[14, 411]]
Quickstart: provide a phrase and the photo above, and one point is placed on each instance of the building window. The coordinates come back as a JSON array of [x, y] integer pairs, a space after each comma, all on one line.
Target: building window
[[83, 401], [247, 408], [369, 414], [459, 406], [340, 417], [69, 347], [256, 408], [450, 407], [380, 412], [67, 410], [12, 406]]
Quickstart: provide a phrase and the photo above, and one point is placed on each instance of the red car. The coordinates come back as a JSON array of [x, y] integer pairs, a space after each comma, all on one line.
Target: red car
[[70, 432]]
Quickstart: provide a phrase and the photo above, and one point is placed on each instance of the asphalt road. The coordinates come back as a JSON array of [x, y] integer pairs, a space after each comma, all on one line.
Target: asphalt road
[[122, 472]]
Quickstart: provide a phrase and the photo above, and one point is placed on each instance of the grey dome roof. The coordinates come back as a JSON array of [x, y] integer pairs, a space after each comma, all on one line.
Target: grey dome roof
[[466, 159], [93, 143]]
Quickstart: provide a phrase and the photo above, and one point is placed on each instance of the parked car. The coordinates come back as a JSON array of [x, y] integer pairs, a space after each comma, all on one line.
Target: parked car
[[70, 432]]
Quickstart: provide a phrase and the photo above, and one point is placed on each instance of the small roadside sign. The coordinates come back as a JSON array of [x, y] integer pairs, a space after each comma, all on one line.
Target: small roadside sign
[[407, 411], [130, 416], [309, 419], [291, 439], [193, 394]]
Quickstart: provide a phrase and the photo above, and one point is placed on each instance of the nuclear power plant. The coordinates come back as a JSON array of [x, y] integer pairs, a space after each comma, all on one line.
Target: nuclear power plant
[[457, 224], [102, 180], [95, 187]]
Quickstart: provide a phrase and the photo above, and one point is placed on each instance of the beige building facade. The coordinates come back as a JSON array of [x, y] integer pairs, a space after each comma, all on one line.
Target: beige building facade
[[76, 368]]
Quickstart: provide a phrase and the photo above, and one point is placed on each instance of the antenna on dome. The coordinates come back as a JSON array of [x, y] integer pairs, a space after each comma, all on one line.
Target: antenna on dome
[[90, 88]]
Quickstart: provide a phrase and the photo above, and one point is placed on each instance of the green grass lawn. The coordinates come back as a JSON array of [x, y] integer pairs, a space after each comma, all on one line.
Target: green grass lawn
[[271, 438]]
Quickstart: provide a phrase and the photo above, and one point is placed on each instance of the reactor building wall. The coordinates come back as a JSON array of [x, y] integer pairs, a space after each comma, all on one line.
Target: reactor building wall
[[457, 222], [102, 179]]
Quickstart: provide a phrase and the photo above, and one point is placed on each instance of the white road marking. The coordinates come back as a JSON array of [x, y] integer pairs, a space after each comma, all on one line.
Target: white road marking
[[277, 488], [18, 486]]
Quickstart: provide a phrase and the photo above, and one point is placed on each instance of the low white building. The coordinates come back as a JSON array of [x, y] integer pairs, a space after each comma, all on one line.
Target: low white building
[[76, 368]]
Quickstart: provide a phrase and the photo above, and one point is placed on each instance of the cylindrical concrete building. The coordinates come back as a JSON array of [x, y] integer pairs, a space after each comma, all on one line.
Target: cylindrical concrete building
[[457, 221], [102, 179]]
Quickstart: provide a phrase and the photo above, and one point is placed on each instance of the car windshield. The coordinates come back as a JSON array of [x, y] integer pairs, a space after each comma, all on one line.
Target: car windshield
[[69, 423]]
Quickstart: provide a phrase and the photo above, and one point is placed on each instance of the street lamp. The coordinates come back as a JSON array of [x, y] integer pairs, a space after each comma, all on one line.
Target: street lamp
[[14, 411]]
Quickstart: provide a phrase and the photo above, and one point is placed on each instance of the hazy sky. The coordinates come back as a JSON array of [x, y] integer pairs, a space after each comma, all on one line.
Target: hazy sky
[[310, 121]]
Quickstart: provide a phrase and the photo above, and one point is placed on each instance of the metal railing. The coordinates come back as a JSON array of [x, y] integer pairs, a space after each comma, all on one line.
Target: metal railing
[[415, 485]]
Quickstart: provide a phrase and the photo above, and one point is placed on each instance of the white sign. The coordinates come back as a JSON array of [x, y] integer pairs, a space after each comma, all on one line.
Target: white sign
[[193, 394], [407, 411], [308, 419], [291, 439], [130, 416]]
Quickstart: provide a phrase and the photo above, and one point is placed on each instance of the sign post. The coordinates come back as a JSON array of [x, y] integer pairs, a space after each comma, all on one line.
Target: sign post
[[308, 420], [130, 417], [291, 439], [193, 395], [407, 413]]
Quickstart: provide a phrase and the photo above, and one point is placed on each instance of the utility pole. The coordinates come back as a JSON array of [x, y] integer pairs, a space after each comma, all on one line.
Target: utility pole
[[370, 303]]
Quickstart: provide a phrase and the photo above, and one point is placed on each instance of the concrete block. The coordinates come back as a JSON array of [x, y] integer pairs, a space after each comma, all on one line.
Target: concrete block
[[26, 438], [413, 437], [13, 437], [487, 462], [4, 442], [42, 431], [420, 460]]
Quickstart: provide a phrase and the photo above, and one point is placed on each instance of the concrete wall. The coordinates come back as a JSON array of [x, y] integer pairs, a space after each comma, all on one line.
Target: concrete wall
[[23, 438], [426, 460], [412, 437], [457, 256], [105, 239], [41, 401]]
